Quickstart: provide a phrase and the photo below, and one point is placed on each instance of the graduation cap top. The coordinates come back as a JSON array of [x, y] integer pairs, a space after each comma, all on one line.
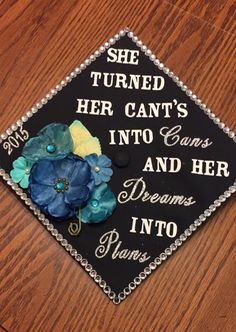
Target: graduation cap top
[[121, 163]]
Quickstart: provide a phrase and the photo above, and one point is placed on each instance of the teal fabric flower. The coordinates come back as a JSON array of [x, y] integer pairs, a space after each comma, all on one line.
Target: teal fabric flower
[[99, 207], [21, 172], [100, 167], [52, 143]]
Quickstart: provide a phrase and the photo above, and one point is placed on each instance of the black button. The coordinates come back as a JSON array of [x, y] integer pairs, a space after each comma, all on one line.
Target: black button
[[121, 159]]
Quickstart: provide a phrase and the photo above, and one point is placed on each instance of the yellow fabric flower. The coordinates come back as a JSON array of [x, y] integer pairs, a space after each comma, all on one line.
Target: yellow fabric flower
[[84, 142]]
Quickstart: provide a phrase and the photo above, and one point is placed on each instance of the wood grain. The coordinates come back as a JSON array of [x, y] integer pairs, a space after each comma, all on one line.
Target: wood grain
[[221, 13], [41, 287], [2, 329]]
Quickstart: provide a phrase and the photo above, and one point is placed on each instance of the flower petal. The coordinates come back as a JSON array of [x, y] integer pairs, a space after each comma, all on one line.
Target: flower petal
[[91, 184], [42, 194], [59, 135], [79, 132], [76, 196], [87, 216], [97, 178], [104, 161], [43, 173], [104, 176], [24, 183], [100, 191], [85, 148], [17, 175], [81, 174], [107, 171], [20, 163], [35, 149], [64, 168], [59, 209], [92, 159]]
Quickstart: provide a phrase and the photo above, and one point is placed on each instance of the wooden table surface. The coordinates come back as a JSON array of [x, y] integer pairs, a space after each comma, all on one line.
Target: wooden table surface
[[41, 287]]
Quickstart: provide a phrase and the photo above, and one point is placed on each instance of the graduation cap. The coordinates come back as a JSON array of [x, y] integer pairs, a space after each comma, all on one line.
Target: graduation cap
[[121, 162]]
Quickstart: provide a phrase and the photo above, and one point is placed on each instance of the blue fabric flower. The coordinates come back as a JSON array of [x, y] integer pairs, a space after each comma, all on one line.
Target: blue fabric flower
[[21, 172], [59, 187], [100, 206], [53, 142], [100, 166]]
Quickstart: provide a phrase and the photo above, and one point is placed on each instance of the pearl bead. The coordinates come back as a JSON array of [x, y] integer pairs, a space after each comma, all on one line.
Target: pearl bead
[[27, 171], [97, 169]]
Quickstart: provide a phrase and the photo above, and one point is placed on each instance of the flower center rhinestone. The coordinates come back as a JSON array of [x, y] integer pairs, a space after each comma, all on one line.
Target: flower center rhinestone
[[97, 169], [51, 148], [94, 203], [61, 185]]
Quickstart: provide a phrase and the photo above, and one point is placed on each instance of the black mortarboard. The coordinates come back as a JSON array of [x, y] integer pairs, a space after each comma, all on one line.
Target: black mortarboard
[[121, 163]]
